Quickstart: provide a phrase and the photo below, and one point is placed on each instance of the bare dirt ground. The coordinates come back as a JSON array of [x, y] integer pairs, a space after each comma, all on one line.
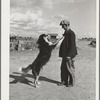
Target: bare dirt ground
[[22, 88]]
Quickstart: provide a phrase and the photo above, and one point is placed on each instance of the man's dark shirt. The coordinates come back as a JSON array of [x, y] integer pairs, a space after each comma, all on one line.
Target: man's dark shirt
[[68, 45]]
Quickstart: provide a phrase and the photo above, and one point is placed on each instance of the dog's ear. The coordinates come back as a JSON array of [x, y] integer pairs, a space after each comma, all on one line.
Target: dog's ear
[[41, 39]]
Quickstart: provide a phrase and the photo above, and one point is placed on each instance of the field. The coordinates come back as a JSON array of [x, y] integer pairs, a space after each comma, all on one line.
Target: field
[[22, 88]]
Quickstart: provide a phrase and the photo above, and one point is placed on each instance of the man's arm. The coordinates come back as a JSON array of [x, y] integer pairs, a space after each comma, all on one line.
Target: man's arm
[[71, 44], [59, 40], [53, 44]]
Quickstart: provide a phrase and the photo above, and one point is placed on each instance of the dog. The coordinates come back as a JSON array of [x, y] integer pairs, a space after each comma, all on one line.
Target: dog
[[45, 48]]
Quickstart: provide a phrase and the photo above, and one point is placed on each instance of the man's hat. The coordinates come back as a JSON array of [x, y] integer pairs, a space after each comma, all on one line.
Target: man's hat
[[65, 22]]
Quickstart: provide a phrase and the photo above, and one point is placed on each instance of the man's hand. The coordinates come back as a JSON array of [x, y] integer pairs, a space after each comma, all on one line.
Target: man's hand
[[58, 41]]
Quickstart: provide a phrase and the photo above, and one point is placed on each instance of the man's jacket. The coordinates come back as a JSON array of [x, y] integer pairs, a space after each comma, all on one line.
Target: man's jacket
[[68, 45]]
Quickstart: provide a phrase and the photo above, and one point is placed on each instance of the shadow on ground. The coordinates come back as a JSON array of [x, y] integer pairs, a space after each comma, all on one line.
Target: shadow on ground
[[23, 79]]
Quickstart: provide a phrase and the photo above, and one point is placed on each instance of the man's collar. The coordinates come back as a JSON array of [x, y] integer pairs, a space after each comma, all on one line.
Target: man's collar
[[66, 32]]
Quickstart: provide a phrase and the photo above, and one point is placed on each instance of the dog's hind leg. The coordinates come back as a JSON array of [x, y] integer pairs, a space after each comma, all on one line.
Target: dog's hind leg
[[36, 82], [39, 76], [36, 77]]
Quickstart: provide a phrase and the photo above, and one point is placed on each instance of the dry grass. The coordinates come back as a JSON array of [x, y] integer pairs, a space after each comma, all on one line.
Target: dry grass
[[21, 88]]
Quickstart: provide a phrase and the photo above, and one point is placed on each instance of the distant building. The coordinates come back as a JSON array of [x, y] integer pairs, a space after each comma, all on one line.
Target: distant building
[[26, 43], [13, 45], [22, 43], [93, 43], [53, 37]]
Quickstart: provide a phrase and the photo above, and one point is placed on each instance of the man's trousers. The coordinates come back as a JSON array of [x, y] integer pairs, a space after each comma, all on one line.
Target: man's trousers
[[68, 72]]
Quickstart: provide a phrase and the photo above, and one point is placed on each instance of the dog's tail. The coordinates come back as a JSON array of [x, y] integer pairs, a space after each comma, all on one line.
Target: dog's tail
[[23, 71], [20, 69]]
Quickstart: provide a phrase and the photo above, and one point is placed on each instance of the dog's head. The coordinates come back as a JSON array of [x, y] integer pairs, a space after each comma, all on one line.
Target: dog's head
[[41, 39]]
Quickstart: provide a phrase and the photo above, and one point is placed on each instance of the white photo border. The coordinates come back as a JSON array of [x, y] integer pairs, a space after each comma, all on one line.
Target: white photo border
[[5, 30]]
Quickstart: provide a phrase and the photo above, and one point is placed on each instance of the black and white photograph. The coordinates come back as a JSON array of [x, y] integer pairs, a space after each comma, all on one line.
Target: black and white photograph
[[52, 50]]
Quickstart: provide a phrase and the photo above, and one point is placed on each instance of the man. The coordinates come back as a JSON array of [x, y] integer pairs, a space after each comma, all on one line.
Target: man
[[67, 51]]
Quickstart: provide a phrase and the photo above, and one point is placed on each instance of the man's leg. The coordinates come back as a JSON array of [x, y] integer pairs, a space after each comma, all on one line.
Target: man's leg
[[71, 73], [64, 74]]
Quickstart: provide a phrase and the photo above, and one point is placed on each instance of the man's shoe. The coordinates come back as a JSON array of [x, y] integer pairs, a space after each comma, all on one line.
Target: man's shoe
[[60, 84], [69, 85]]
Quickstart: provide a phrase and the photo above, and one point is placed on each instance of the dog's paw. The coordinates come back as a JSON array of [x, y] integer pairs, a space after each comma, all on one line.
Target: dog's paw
[[36, 86], [38, 83]]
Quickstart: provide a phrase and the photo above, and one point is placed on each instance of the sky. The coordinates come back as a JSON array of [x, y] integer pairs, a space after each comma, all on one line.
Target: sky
[[35, 17]]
